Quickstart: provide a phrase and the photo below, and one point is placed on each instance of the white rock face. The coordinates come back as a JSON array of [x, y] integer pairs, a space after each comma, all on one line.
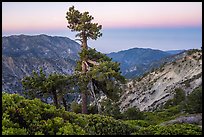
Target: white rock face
[[157, 87]]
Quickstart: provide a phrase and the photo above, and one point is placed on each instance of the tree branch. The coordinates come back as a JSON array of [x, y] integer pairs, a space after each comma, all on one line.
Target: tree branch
[[93, 62]]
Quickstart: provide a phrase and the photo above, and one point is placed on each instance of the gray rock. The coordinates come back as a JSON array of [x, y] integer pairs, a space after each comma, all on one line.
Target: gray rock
[[190, 119]]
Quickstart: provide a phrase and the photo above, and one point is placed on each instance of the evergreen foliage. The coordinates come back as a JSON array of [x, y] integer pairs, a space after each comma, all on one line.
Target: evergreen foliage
[[191, 103], [75, 107], [176, 129], [81, 22], [33, 117], [179, 97], [42, 86], [194, 101], [133, 114], [111, 108], [106, 76], [93, 68]]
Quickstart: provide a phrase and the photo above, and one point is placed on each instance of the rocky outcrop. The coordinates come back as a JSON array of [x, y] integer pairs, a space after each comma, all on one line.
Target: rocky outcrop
[[155, 88], [190, 119]]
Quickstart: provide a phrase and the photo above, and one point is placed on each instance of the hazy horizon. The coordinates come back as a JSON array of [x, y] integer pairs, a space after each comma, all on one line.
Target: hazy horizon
[[162, 39], [155, 25]]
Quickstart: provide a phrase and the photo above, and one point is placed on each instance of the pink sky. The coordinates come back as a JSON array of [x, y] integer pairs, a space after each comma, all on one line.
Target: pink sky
[[183, 18], [37, 16]]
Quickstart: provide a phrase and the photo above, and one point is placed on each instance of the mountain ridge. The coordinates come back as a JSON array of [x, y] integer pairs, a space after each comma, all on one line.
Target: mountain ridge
[[136, 61], [23, 53], [152, 90]]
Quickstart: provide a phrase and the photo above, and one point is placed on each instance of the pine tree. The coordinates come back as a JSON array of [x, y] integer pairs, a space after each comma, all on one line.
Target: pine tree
[[41, 86], [81, 22], [33, 85], [96, 72]]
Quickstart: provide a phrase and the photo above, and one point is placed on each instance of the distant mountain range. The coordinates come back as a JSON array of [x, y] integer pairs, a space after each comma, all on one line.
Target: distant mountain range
[[137, 61], [22, 53], [173, 52]]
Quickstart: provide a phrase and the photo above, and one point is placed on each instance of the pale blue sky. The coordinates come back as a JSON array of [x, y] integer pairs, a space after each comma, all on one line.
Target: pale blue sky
[[157, 25]]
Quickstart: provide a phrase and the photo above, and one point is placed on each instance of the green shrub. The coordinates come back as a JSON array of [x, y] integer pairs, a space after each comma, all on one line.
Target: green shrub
[[133, 114], [179, 96], [75, 107], [176, 129], [160, 116], [194, 101], [92, 109], [110, 108], [139, 123], [14, 131], [105, 125], [71, 129], [173, 110], [32, 117], [57, 126], [11, 128]]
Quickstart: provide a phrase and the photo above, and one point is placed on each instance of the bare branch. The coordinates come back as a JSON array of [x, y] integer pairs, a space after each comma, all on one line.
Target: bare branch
[[93, 62]]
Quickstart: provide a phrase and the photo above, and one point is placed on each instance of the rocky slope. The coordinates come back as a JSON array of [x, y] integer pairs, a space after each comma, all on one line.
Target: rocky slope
[[156, 87], [21, 54]]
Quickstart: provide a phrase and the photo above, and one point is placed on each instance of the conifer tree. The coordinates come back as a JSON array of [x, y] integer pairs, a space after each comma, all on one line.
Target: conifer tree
[[96, 72], [41, 86], [81, 22]]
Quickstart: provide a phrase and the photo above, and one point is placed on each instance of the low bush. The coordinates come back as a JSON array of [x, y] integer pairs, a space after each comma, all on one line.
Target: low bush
[[194, 101], [176, 129], [133, 114], [33, 117], [137, 123]]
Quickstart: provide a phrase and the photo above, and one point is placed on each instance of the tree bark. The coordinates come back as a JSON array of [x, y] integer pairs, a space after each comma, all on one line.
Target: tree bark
[[84, 41], [84, 103], [55, 98], [64, 103], [84, 70]]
